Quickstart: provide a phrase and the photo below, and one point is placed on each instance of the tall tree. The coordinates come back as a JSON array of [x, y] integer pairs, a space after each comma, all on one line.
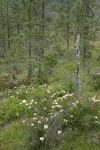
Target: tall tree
[[29, 41]]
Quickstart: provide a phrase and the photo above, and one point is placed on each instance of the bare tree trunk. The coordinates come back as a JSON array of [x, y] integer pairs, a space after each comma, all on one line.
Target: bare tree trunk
[[8, 40], [29, 49], [67, 30], [78, 64], [8, 26], [3, 32], [41, 51], [17, 45], [43, 17], [17, 21], [67, 41]]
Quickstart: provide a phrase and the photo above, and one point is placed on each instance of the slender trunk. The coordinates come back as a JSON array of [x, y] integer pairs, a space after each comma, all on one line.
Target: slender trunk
[[3, 33], [8, 41], [86, 7], [67, 31], [43, 28], [41, 51], [67, 41], [43, 15], [15, 70], [29, 49], [17, 21], [43, 5], [78, 64], [8, 27]]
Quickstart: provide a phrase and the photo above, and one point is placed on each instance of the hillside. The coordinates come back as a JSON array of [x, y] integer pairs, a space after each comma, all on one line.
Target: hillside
[[49, 75]]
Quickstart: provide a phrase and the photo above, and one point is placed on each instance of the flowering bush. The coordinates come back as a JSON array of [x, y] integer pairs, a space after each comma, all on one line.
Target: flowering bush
[[48, 112]]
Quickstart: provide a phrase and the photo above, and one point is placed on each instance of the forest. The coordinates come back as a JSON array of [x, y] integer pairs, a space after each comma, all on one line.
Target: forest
[[49, 74]]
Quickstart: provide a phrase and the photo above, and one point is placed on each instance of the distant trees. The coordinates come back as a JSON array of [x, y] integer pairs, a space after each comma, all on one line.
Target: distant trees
[[84, 14], [31, 32]]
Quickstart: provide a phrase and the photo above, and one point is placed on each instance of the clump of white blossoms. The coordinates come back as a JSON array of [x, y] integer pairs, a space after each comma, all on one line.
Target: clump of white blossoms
[[39, 122], [95, 117], [32, 124], [65, 120], [23, 101], [45, 126], [23, 121], [34, 114], [35, 118], [95, 100], [59, 132], [42, 139]]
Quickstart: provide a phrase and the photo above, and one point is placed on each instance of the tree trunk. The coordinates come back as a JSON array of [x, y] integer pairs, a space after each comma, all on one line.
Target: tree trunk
[[3, 33], [78, 64], [67, 30], [8, 27], [41, 51], [29, 49], [8, 41]]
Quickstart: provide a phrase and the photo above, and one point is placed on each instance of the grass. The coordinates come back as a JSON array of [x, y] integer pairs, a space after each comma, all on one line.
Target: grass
[[14, 136], [81, 141]]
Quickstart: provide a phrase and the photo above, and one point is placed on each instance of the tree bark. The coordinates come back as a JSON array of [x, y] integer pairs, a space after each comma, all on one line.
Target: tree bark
[[78, 64], [29, 49]]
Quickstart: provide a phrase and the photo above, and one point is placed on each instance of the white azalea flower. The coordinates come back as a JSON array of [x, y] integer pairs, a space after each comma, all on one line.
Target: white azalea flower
[[59, 132], [71, 116], [32, 124], [45, 126], [35, 102], [24, 121], [34, 118], [23, 101], [32, 100], [39, 122], [95, 117], [42, 139]]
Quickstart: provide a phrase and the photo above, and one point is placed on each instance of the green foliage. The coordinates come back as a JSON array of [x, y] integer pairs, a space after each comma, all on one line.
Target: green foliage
[[83, 116], [80, 141], [12, 110], [47, 116], [14, 137], [51, 60], [41, 78], [95, 82], [37, 38]]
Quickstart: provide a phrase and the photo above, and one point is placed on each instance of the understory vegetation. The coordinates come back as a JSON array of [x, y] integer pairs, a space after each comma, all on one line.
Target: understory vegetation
[[49, 75], [48, 117]]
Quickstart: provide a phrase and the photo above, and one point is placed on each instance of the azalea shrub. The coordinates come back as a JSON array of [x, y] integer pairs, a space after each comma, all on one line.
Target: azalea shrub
[[95, 81], [49, 111], [14, 109]]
